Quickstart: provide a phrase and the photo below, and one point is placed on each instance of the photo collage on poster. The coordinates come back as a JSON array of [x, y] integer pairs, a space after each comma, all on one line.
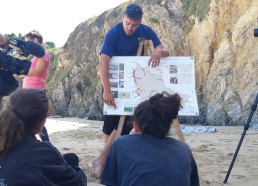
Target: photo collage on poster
[[116, 78], [117, 85], [173, 72]]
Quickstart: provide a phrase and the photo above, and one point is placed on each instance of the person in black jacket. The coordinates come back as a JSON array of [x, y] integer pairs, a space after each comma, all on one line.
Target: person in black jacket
[[3, 43], [24, 160]]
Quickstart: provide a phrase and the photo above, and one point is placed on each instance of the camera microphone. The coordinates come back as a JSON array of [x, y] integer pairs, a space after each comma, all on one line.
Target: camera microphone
[[34, 49], [27, 47]]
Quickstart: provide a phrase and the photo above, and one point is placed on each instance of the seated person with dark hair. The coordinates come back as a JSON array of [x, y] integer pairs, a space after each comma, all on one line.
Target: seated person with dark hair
[[149, 157], [24, 160]]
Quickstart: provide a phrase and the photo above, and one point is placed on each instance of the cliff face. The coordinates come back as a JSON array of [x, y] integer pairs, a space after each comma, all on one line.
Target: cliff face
[[222, 43], [226, 61]]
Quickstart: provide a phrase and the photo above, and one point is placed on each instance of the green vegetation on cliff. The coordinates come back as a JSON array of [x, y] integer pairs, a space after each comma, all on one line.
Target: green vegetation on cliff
[[198, 8]]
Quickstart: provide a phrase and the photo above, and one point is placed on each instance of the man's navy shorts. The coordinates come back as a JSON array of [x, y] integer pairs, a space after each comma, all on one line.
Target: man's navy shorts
[[111, 123]]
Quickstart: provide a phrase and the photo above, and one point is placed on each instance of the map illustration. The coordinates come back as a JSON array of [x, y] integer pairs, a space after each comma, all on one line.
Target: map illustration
[[133, 81]]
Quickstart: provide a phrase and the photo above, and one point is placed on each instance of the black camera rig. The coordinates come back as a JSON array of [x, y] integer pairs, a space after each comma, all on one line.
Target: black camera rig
[[22, 48], [10, 65], [13, 65], [256, 32]]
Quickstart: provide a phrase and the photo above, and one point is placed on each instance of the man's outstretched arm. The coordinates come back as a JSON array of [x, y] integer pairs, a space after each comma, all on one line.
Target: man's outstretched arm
[[108, 96]]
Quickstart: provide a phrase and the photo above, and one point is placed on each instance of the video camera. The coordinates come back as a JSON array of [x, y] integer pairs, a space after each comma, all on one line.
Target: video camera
[[13, 65], [10, 65], [23, 48]]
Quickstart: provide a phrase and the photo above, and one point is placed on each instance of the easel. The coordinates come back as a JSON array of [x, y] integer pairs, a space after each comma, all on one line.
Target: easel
[[147, 46], [99, 162]]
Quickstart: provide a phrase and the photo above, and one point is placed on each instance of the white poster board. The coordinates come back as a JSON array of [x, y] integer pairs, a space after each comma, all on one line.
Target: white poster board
[[133, 81]]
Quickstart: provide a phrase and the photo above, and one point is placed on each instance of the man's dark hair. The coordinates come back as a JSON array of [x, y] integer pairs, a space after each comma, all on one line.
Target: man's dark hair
[[154, 116], [134, 11]]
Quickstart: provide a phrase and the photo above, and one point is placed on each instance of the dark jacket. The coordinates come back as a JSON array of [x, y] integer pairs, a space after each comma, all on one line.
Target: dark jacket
[[38, 163]]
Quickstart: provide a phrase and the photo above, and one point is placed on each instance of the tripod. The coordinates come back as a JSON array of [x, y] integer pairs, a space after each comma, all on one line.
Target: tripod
[[246, 127]]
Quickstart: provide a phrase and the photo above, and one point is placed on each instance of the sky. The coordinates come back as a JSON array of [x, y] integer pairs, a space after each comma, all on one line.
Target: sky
[[54, 19]]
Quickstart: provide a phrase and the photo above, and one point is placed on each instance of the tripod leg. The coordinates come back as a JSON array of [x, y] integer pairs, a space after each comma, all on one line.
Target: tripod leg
[[234, 157], [246, 127]]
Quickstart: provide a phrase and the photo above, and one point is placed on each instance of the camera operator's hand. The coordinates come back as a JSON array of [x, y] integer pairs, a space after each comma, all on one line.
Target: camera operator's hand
[[17, 77], [3, 41]]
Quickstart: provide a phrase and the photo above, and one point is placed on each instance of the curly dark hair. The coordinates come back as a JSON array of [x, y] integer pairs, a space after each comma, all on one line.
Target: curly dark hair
[[154, 116]]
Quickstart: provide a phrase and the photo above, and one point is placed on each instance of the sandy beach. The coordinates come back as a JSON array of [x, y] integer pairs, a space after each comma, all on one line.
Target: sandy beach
[[213, 152]]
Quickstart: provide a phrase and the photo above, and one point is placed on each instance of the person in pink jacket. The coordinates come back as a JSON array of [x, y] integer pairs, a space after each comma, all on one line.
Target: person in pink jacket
[[36, 78]]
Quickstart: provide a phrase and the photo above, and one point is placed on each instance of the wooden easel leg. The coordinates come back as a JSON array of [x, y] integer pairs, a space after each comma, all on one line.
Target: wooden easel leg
[[120, 125], [178, 130], [151, 46], [146, 47], [99, 162], [139, 51]]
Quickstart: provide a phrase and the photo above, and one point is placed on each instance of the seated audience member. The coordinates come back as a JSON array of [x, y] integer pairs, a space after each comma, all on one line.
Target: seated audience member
[[149, 157], [24, 160]]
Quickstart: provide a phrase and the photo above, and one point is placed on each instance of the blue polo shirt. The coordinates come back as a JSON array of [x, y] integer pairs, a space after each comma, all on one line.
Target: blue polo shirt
[[117, 43]]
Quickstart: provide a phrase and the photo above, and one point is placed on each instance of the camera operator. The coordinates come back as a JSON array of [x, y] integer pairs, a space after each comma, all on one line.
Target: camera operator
[[36, 77], [13, 85]]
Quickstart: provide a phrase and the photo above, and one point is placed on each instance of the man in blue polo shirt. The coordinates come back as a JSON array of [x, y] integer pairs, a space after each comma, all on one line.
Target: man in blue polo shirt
[[123, 40]]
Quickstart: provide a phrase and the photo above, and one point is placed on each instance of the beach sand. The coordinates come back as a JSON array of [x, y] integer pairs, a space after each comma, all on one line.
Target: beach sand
[[213, 152]]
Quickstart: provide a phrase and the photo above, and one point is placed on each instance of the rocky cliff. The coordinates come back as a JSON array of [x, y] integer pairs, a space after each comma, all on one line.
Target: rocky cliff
[[218, 33]]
